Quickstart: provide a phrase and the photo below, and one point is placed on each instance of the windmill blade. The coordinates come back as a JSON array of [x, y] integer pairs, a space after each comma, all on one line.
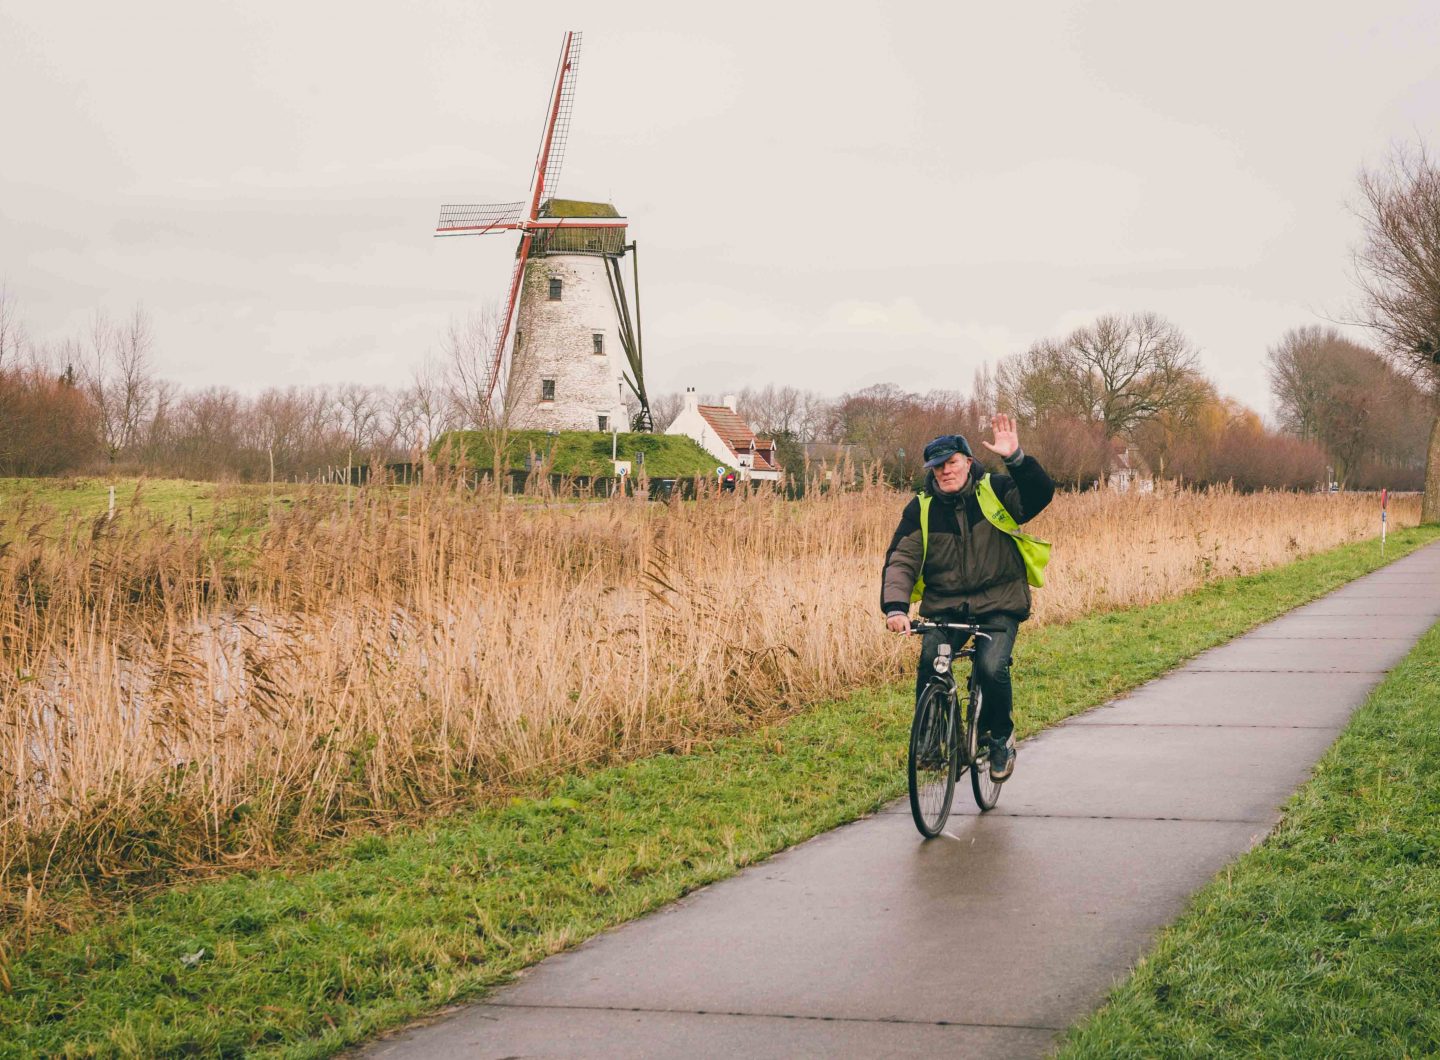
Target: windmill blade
[[557, 125], [629, 338], [497, 359], [479, 219]]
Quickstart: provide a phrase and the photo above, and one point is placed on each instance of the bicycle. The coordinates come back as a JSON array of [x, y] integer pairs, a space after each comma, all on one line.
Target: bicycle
[[943, 744]]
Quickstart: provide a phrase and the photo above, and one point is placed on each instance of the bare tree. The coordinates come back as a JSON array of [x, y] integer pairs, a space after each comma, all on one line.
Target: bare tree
[[873, 420], [665, 407], [363, 418], [1295, 379], [134, 374], [469, 350], [1113, 377], [1126, 369], [119, 377], [1365, 414], [431, 412], [1038, 384], [12, 328], [1397, 268]]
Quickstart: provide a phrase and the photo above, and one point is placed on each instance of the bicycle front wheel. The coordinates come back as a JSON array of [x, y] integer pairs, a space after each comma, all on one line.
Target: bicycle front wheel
[[934, 758], [987, 791]]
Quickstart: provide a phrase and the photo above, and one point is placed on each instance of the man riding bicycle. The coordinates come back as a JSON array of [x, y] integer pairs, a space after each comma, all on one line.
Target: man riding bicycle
[[970, 569]]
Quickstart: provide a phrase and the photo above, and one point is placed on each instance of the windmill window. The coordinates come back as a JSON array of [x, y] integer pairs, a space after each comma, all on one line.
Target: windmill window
[[547, 390], [518, 336], [599, 341], [604, 422], [556, 288]]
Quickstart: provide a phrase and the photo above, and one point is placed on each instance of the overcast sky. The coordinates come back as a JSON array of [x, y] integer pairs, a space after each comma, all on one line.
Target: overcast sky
[[832, 198]]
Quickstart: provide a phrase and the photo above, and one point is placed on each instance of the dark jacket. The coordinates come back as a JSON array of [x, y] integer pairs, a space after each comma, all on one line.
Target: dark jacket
[[971, 567]]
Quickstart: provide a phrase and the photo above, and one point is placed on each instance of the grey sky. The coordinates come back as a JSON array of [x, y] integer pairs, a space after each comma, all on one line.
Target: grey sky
[[879, 193]]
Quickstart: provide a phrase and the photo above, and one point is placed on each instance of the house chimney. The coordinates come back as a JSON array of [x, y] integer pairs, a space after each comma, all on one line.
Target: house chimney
[[730, 402], [691, 404]]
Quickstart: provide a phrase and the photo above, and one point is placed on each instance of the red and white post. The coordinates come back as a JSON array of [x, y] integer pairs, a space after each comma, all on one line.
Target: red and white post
[[1384, 504]]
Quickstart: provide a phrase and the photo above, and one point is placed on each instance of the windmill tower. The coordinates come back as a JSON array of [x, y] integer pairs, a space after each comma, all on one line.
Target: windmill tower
[[574, 348]]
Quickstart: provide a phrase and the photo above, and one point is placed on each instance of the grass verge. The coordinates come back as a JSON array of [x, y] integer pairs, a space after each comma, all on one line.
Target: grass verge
[[302, 964], [1322, 941]]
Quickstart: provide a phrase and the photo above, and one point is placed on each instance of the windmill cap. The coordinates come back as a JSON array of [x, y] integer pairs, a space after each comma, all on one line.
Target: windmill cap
[[944, 447]]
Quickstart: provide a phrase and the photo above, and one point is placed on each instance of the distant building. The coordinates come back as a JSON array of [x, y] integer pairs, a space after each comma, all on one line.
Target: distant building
[[831, 452], [720, 431], [1128, 472]]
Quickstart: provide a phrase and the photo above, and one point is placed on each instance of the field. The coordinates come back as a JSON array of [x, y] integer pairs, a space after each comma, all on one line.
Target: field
[[300, 962], [220, 505], [177, 697]]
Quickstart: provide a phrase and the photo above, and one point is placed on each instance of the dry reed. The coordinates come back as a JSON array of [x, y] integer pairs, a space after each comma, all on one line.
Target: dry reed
[[168, 704]]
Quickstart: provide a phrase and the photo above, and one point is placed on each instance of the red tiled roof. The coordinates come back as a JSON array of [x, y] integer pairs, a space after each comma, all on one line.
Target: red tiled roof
[[736, 433]]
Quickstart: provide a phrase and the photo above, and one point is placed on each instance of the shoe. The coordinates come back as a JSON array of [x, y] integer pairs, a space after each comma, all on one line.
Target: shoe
[[1002, 758]]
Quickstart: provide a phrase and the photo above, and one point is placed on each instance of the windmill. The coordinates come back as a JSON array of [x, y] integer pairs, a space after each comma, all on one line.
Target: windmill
[[575, 345]]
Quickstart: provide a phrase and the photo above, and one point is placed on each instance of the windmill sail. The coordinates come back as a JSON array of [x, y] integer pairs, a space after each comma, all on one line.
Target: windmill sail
[[551, 156], [479, 220]]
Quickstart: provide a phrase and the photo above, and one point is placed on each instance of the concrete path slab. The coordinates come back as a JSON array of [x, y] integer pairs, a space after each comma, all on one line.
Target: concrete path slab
[[1237, 699], [1300, 624], [990, 940], [1327, 655], [606, 1034], [1375, 607]]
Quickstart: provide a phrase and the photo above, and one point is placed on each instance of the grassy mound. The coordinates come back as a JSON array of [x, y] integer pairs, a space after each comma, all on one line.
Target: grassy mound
[[583, 452]]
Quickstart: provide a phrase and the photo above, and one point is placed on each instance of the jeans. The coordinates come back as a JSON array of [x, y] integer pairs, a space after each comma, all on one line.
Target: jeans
[[991, 663]]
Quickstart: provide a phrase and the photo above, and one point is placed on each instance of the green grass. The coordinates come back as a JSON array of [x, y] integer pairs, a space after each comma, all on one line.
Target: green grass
[[1325, 940], [175, 499], [586, 452], [232, 511], [301, 964]]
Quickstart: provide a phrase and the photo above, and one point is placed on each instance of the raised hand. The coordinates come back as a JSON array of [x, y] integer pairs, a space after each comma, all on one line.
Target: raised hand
[[1006, 440]]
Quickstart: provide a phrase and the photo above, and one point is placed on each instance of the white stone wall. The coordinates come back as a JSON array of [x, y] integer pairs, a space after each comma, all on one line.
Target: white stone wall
[[556, 342], [693, 425]]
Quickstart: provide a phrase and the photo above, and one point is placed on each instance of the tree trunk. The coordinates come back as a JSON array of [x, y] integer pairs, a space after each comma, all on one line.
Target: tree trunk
[[1430, 504]]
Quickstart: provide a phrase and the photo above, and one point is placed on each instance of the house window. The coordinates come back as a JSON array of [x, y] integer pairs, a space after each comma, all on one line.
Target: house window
[[599, 341], [547, 390], [604, 422], [555, 288]]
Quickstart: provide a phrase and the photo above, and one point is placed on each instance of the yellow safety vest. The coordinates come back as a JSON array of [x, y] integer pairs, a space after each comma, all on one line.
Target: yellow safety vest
[[1034, 552]]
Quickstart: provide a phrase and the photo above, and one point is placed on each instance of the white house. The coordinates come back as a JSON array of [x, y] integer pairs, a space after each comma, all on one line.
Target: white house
[[721, 432], [1128, 471]]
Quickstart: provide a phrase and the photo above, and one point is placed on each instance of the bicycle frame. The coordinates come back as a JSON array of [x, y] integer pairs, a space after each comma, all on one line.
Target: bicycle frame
[[962, 716]]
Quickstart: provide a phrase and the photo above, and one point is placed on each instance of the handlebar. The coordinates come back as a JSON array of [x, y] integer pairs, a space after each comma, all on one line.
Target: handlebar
[[972, 628]]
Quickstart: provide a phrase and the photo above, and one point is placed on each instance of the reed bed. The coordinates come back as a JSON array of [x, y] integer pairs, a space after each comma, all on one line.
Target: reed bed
[[171, 700]]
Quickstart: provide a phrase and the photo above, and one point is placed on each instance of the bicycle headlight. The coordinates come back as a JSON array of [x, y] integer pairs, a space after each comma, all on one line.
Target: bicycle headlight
[[942, 664]]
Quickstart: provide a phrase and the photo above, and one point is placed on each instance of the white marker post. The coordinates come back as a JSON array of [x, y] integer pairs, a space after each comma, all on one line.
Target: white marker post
[[1384, 504]]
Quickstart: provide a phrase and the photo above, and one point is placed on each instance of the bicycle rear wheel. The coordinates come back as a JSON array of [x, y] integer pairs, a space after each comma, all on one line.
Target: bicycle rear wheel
[[934, 758], [987, 791]]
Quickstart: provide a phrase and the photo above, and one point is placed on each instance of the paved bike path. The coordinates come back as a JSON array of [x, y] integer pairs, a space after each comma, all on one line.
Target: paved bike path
[[994, 938]]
